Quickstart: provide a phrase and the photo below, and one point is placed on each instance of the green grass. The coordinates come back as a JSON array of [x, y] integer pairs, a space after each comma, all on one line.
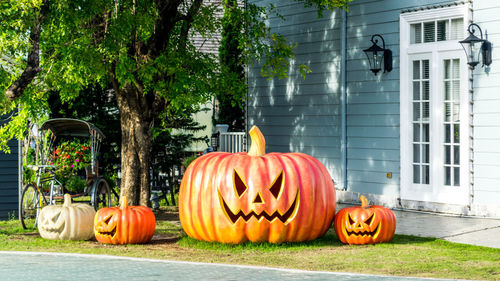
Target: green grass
[[404, 255]]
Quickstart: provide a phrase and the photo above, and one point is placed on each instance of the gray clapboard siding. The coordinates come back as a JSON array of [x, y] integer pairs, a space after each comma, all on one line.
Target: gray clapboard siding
[[488, 146], [486, 110], [373, 165], [296, 114], [9, 182], [487, 184], [372, 187]]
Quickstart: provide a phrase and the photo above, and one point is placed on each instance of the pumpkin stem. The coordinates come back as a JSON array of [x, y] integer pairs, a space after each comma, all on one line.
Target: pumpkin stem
[[67, 200], [364, 201], [123, 202], [258, 145]]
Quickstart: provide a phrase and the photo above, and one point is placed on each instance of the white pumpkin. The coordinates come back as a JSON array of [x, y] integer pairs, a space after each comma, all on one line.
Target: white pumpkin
[[67, 222]]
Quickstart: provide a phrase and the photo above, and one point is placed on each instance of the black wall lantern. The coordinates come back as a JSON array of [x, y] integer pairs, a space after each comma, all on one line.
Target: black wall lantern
[[475, 47], [378, 55]]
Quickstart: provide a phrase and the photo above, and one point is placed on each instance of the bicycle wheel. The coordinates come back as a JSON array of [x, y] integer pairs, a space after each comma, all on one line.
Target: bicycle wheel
[[29, 206], [101, 196]]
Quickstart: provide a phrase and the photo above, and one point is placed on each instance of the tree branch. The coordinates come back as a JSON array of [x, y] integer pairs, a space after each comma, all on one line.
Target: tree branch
[[168, 16], [33, 65], [188, 20]]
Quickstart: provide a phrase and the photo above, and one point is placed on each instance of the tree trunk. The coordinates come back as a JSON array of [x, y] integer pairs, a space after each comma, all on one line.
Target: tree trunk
[[136, 117]]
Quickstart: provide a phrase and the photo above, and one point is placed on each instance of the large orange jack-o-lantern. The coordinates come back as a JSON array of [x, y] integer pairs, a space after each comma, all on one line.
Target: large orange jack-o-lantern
[[254, 196], [365, 224]]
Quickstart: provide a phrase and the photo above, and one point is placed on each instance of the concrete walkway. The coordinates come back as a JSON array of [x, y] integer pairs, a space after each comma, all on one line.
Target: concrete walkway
[[474, 231]]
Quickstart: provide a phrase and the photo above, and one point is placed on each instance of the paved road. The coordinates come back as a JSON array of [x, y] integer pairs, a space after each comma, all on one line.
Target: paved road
[[58, 266]]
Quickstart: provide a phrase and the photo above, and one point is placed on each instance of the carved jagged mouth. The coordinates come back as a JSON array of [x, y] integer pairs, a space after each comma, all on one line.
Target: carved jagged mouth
[[364, 233], [57, 229], [284, 218], [108, 233]]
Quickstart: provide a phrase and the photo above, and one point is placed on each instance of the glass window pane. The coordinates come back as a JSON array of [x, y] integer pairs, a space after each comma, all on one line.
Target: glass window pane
[[425, 175], [447, 111], [447, 90], [456, 69], [447, 133], [425, 90], [416, 111], [456, 155], [416, 173], [416, 33], [416, 90], [425, 110], [425, 153], [442, 30], [457, 29], [425, 69], [456, 90], [429, 32], [447, 154], [416, 69], [456, 133], [456, 174], [447, 176], [416, 153], [447, 68], [425, 132], [416, 132], [456, 112]]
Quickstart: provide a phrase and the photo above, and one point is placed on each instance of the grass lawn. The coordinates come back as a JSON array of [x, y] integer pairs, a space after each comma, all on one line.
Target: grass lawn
[[404, 255]]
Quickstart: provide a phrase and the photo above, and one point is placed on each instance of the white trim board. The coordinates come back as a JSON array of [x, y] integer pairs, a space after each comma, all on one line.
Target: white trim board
[[394, 202]]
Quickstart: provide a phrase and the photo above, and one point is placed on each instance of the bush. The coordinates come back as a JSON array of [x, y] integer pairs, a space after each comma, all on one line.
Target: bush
[[75, 184]]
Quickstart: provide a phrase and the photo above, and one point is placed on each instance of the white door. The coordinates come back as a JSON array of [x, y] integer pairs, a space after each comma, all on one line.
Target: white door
[[435, 167]]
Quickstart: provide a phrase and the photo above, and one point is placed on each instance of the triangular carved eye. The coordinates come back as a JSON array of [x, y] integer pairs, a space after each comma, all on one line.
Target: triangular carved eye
[[351, 221], [108, 219], [276, 186], [369, 220], [239, 184], [56, 217]]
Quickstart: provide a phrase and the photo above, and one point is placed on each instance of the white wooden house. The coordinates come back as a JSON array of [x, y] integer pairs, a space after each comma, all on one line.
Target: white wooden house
[[424, 136]]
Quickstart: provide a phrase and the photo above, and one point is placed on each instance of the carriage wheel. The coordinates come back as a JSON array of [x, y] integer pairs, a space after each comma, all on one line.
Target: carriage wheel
[[101, 196], [29, 206]]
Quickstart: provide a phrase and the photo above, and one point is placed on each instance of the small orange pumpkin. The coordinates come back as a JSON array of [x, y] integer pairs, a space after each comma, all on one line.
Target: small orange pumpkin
[[365, 224], [124, 224]]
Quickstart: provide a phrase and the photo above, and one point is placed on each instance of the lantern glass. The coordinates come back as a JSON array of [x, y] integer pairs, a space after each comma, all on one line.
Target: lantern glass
[[472, 49], [375, 60]]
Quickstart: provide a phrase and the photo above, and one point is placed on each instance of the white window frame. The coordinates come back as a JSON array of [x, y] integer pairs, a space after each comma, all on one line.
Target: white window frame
[[436, 191]]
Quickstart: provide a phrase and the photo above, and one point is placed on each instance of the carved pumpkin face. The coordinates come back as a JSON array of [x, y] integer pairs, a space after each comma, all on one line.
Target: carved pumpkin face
[[238, 197], [66, 222], [124, 224], [260, 197], [365, 224]]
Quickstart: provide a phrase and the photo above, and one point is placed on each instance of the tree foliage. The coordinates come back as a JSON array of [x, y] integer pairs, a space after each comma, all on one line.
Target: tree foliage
[[140, 47]]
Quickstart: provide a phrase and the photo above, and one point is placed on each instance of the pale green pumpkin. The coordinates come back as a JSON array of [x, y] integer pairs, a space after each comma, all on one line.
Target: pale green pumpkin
[[67, 222]]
